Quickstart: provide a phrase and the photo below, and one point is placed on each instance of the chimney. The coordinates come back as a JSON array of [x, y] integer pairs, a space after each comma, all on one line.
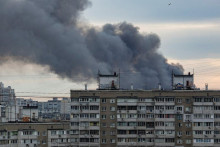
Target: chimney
[[132, 86], [189, 73], [206, 86], [85, 86]]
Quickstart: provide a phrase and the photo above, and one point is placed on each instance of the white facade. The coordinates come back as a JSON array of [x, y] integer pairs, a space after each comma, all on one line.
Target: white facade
[[28, 112], [109, 81], [181, 82]]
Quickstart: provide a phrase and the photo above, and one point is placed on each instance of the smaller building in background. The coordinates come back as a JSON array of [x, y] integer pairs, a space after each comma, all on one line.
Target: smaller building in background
[[25, 102], [7, 95], [34, 134], [183, 82], [52, 109]]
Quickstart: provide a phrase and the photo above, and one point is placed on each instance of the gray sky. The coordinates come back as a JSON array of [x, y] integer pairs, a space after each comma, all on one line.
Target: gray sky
[[185, 27], [189, 31]]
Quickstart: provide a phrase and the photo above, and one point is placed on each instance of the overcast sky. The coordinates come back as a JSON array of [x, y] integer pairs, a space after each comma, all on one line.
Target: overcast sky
[[185, 27], [189, 31]]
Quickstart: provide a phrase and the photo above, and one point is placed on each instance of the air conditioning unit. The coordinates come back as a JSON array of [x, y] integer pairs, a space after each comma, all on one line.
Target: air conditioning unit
[[206, 136], [209, 127]]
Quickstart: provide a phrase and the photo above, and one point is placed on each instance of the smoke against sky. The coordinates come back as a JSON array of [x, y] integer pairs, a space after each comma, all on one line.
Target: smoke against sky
[[48, 33]]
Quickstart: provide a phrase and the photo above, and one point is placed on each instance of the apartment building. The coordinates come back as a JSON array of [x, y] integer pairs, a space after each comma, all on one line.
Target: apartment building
[[35, 134], [123, 118], [55, 109]]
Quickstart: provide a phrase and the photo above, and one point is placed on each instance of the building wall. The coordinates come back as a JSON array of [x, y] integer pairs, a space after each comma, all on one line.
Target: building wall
[[34, 134], [148, 118]]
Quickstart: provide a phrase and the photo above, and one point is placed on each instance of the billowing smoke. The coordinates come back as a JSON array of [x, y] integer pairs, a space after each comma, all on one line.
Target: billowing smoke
[[48, 33]]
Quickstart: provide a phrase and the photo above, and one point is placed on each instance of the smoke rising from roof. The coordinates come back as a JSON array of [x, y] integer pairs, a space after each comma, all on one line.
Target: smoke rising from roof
[[48, 33]]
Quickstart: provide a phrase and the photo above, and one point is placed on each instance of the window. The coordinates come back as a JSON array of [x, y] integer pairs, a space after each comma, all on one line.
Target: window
[[112, 140], [112, 133], [103, 124], [103, 116], [112, 125], [14, 141], [112, 108], [179, 116], [188, 109], [179, 100], [94, 107], [103, 100], [188, 133], [179, 108], [179, 124], [74, 100], [112, 116], [188, 101], [44, 133], [103, 108], [112, 100], [179, 141], [188, 141], [103, 140], [179, 133]]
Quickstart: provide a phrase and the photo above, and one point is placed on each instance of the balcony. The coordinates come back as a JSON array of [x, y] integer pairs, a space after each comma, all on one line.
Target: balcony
[[127, 127], [94, 103], [145, 143], [127, 144], [127, 135], [164, 128], [203, 128], [164, 144], [203, 144], [202, 103], [203, 120], [164, 119], [127, 104]]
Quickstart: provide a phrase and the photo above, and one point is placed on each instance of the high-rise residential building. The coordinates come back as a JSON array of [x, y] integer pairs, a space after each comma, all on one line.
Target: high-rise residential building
[[55, 109], [7, 95], [7, 104], [142, 118]]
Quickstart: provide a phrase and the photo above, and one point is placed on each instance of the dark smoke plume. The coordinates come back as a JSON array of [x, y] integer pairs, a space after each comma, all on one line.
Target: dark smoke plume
[[47, 32]]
